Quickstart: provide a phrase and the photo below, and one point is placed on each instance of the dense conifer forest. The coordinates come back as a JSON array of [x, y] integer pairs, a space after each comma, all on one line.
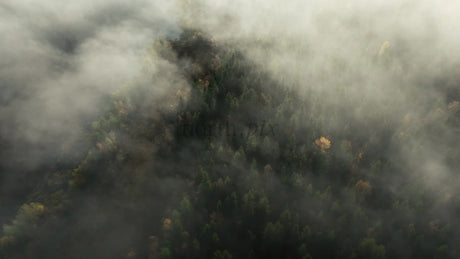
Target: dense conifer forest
[[223, 147]]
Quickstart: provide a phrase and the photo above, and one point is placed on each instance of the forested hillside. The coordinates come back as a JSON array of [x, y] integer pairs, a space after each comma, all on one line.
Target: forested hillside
[[211, 151]]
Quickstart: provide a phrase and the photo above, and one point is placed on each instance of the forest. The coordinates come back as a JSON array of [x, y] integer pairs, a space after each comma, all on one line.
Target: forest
[[216, 139]]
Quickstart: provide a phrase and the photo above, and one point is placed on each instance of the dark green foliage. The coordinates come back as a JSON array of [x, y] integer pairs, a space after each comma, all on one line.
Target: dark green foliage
[[263, 174]]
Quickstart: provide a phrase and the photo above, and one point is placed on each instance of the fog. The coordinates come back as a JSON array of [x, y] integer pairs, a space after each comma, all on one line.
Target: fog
[[390, 62], [384, 60]]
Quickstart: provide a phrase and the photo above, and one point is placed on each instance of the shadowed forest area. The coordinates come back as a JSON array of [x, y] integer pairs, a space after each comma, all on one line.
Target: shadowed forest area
[[237, 148]]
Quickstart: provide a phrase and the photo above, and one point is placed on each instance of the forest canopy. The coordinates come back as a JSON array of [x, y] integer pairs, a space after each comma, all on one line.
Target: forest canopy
[[197, 129]]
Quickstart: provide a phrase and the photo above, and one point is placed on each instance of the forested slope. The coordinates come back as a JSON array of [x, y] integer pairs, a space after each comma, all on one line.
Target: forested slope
[[237, 164]]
